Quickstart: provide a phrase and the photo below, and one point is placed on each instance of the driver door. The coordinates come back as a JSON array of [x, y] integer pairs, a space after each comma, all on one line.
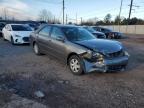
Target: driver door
[[58, 44]]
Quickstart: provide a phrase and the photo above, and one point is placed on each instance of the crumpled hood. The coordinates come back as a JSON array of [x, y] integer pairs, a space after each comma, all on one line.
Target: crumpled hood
[[101, 45], [22, 33]]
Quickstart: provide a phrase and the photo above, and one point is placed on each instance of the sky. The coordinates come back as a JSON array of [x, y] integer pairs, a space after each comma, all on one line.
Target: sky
[[30, 9]]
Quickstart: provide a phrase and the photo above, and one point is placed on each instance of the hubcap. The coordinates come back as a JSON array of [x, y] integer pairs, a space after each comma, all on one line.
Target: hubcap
[[36, 48], [75, 65]]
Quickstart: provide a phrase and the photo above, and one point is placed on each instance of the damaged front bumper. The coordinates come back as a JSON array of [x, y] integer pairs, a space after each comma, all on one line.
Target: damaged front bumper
[[115, 64]]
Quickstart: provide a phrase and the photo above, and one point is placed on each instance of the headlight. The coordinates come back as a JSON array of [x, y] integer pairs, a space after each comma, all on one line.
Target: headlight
[[90, 54], [126, 53], [17, 36], [97, 55]]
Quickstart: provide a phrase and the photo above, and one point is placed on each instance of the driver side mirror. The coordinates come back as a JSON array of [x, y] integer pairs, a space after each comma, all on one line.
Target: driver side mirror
[[9, 29]]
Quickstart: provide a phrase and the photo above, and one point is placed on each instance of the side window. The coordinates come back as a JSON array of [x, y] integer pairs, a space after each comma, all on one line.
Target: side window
[[103, 30], [56, 33], [7, 27], [97, 29], [45, 31]]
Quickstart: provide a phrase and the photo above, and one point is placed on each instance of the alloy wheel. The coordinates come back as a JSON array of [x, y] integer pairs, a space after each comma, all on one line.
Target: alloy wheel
[[75, 65]]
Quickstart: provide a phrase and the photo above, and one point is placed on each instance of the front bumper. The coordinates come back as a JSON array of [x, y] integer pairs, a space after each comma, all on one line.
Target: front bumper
[[115, 64], [21, 40]]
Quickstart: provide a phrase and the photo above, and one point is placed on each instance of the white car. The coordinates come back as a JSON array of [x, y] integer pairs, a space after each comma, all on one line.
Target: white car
[[17, 33]]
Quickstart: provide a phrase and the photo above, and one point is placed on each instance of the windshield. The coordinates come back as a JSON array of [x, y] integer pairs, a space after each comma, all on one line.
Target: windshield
[[77, 34], [108, 30], [21, 28]]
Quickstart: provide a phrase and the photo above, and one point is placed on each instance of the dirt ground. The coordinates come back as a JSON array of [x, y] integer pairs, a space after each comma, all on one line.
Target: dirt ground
[[22, 73]]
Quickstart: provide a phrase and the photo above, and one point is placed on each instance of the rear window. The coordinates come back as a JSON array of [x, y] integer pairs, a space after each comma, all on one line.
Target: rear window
[[21, 28]]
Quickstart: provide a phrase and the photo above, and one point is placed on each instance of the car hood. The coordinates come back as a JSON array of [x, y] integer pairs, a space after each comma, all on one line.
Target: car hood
[[101, 45], [22, 33]]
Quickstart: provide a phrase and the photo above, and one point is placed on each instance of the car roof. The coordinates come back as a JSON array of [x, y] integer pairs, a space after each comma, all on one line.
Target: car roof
[[60, 25]]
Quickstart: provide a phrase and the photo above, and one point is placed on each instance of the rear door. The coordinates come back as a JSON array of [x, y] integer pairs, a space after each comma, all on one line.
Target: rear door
[[43, 38]]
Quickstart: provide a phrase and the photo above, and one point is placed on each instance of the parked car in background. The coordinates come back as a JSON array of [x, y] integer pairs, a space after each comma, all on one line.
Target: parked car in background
[[109, 33], [33, 26], [16, 33], [81, 50], [1, 27], [95, 33]]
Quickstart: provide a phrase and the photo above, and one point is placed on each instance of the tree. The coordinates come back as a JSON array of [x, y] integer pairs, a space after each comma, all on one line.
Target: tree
[[45, 15], [107, 18], [117, 20], [4, 13], [100, 22]]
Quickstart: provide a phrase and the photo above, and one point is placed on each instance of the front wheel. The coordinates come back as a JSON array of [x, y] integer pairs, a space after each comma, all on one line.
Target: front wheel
[[12, 41], [75, 65], [36, 49]]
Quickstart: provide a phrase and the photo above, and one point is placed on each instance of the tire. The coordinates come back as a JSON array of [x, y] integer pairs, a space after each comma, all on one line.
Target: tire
[[110, 37], [12, 41], [76, 65], [36, 49], [3, 37]]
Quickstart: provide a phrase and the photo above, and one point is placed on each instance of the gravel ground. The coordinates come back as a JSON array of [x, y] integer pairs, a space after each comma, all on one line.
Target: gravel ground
[[22, 73]]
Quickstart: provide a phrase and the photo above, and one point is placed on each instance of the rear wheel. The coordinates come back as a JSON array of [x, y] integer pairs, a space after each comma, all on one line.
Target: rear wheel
[[75, 65], [36, 49]]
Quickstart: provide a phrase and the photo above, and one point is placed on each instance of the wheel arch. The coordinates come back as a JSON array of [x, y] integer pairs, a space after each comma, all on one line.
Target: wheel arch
[[71, 54], [83, 66], [33, 43]]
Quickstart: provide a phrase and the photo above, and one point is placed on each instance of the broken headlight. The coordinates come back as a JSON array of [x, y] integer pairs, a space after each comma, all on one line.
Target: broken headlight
[[94, 55], [99, 57]]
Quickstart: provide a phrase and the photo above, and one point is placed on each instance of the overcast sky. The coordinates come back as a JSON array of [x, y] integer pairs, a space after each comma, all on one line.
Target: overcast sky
[[29, 9]]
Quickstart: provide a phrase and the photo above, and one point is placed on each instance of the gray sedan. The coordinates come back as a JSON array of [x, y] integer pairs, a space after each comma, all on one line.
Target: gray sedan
[[79, 49]]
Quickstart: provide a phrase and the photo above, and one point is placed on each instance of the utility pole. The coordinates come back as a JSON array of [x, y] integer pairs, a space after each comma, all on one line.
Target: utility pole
[[66, 18], [131, 5], [5, 13], [54, 21], [76, 18], [120, 14], [63, 11], [81, 20], [120, 11]]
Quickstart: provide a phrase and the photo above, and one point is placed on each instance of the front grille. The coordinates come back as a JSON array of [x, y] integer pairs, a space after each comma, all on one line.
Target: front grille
[[116, 54], [26, 39], [116, 67]]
